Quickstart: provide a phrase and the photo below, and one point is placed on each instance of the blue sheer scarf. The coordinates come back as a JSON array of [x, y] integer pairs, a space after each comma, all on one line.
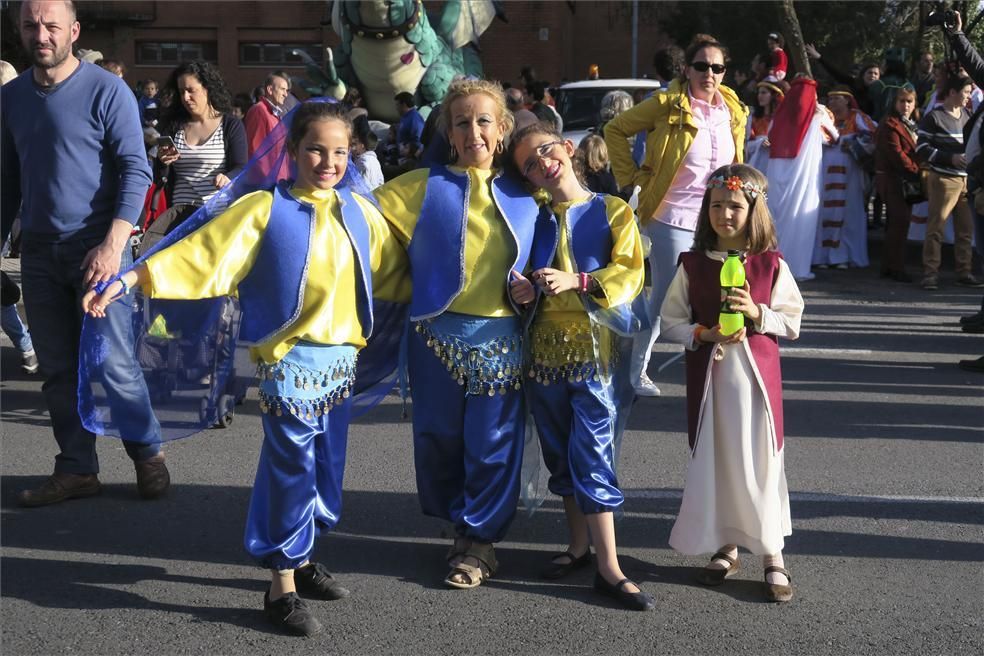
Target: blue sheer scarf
[[188, 353]]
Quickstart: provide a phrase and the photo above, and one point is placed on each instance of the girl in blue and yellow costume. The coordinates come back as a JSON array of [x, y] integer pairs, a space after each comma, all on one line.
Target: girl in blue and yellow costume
[[466, 227], [306, 262], [587, 261]]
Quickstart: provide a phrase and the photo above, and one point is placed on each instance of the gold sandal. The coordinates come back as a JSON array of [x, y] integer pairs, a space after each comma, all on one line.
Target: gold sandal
[[464, 576]]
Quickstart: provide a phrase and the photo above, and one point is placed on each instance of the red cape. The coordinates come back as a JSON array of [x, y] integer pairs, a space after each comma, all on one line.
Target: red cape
[[792, 119]]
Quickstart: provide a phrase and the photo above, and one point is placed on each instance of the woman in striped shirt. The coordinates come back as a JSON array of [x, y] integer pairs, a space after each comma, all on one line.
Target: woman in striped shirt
[[209, 143]]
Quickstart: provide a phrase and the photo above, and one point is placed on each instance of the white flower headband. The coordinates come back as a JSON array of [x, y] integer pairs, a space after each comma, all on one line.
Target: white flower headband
[[734, 183]]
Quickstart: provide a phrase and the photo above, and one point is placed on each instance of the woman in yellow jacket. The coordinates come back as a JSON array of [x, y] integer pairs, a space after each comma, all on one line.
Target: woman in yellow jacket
[[692, 128]]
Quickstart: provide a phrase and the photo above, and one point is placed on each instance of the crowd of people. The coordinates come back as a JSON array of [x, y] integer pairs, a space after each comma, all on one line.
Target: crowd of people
[[510, 268]]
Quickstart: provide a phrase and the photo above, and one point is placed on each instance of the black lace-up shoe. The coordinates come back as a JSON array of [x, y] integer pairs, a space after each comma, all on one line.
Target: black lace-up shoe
[[315, 582], [291, 614]]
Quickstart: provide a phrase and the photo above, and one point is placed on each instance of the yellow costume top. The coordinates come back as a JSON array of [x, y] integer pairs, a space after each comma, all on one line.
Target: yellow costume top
[[561, 330], [489, 246], [214, 259]]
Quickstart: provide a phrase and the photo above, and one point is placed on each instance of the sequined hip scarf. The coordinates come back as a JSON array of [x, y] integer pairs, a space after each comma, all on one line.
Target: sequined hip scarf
[[308, 381], [564, 352], [482, 353]]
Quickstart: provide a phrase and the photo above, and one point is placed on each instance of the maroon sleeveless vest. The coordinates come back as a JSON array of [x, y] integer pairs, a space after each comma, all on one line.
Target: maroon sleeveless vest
[[704, 275]]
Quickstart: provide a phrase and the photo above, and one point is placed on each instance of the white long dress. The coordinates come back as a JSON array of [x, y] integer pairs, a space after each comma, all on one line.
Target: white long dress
[[794, 196], [736, 482], [842, 233]]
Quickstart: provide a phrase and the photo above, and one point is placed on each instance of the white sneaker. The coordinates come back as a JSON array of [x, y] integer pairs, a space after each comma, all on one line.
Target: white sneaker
[[645, 387], [29, 362]]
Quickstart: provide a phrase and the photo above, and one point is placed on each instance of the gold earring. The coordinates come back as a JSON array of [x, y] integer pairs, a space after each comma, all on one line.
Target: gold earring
[[499, 148], [454, 153]]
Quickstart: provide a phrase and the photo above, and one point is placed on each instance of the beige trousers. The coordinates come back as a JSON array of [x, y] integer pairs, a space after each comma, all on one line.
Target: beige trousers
[[947, 193]]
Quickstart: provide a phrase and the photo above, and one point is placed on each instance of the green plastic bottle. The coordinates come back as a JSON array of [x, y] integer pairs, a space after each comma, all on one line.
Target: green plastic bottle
[[732, 275]]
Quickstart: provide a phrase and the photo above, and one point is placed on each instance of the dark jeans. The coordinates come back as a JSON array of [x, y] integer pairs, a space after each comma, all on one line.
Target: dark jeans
[[51, 279]]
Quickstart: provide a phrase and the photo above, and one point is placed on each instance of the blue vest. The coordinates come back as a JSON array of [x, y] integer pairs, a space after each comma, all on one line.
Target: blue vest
[[590, 239], [272, 293], [437, 248], [590, 236]]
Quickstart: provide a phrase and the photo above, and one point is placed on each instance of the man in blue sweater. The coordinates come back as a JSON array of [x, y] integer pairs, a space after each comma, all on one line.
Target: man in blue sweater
[[74, 164]]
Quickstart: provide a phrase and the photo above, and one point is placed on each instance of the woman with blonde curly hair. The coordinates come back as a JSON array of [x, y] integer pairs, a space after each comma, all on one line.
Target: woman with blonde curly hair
[[468, 230]]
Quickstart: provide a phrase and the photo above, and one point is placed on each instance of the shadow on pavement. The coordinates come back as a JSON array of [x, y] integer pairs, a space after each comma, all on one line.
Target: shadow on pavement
[[384, 533], [84, 586]]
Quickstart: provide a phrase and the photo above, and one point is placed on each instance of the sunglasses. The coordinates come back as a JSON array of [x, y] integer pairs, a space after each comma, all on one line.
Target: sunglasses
[[543, 150], [702, 66]]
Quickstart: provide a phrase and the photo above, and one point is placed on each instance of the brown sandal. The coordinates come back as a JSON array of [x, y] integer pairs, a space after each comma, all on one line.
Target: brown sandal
[[776, 592], [464, 576], [716, 575]]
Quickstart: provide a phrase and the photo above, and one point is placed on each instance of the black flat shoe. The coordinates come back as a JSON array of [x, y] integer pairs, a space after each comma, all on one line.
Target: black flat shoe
[[316, 582], [557, 570], [290, 614], [716, 575], [631, 600]]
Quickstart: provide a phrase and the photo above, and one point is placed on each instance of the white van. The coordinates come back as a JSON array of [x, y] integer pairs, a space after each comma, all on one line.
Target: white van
[[579, 102]]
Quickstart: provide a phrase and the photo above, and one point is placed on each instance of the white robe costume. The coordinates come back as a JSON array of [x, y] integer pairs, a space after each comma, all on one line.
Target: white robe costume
[[736, 489]]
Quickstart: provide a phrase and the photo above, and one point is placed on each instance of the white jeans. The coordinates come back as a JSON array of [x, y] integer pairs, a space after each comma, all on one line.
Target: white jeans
[[667, 244]]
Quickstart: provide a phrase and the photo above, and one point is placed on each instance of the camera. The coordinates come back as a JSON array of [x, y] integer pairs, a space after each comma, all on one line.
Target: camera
[[941, 16]]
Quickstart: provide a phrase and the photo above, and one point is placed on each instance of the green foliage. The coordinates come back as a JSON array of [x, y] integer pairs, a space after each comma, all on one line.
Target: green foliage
[[845, 31]]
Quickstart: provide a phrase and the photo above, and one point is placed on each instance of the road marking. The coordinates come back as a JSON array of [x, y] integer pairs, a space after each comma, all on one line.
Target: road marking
[[823, 496], [796, 350]]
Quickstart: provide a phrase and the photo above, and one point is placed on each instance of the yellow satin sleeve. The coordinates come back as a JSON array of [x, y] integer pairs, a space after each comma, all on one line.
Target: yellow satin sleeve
[[328, 314], [400, 200], [489, 249], [214, 259], [389, 263]]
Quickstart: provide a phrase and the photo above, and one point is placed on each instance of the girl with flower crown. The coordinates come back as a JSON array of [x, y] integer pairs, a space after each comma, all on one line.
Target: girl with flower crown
[[735, 493]]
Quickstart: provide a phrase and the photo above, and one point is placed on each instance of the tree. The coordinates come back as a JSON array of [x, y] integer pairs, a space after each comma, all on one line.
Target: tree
[[794, 37]]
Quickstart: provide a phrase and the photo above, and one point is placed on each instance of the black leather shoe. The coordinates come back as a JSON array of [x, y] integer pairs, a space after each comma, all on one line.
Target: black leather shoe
[[977, 317], [559, 570], [291, 614], [153, 479], [631, 600], [314, 581], [59, 487]]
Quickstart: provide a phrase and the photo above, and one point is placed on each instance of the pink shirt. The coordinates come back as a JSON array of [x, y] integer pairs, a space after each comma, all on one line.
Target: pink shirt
[[713, 147]]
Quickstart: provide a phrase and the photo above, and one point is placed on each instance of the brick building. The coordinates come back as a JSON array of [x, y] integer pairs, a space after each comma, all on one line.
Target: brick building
[[248, 39]]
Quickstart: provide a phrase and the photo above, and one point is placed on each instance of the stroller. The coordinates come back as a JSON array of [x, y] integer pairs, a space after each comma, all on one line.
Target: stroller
[[182, 365]]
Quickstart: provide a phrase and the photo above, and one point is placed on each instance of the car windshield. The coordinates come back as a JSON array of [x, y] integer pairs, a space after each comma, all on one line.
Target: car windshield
[[579, 107]]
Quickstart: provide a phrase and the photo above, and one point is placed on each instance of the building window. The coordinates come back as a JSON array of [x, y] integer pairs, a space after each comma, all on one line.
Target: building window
[[277, 54], [165, 53]]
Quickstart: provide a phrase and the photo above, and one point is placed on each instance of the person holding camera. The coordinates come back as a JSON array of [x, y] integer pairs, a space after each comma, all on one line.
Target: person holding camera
[[973, 63]]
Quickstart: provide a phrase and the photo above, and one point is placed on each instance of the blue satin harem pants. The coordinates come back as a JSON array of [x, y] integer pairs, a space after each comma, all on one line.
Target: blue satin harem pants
[[575, 421]]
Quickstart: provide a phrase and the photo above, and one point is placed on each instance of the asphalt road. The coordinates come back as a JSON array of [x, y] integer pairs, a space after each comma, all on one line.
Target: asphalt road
[[884, 462]]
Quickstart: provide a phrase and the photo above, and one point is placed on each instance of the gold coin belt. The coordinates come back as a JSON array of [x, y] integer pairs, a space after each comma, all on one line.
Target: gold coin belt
[[562, 353], [488, 368]]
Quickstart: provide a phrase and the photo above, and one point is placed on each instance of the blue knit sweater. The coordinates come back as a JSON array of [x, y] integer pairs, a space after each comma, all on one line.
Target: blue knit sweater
[[73, 158]]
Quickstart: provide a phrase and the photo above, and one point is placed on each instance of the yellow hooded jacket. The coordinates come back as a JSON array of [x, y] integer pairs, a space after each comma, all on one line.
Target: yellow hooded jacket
[[671, 128]]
